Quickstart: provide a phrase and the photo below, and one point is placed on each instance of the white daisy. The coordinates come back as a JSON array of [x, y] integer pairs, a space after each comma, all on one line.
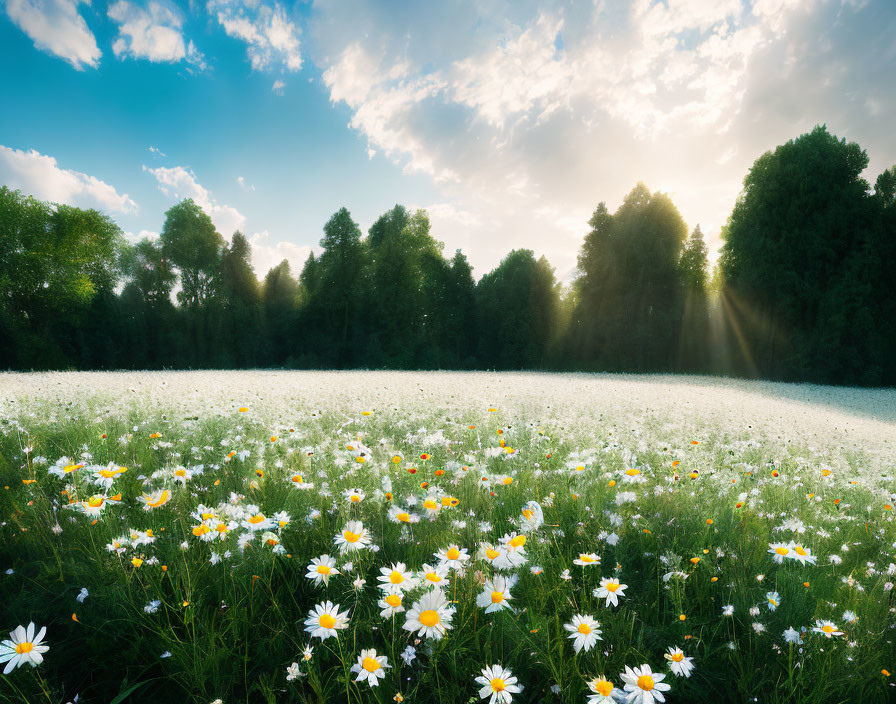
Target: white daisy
[[324, 620], [584, 632], [431, 616], [353, 537], [498, 684], [321, 569], [23, 647], [610, 589], [370, 667], [643, 685], [680, 664], [496, 593]]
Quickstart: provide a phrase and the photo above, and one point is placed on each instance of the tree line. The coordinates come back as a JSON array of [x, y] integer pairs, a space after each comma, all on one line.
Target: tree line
[[803, 290]]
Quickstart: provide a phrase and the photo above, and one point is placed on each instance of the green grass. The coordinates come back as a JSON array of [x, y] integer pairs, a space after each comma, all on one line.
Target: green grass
[[230, 630]]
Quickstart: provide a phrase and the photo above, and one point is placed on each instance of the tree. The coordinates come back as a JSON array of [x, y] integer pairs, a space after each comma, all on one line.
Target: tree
[[801, 215], [280, 296], [517, 306], [629, 288], [240, 305], [191, 243]]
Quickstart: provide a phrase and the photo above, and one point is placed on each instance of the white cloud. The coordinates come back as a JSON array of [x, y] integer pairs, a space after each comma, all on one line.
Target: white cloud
[[57, 27], [267, 255], [526, 118], [278, 87], [180, 182], [156, 150], [153, 33], [272, 38], [242, 183], [39, 175]]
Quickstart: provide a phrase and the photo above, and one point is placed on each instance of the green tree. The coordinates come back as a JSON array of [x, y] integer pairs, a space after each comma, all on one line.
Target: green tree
[[280, 295], [802, 215], [191, 243]]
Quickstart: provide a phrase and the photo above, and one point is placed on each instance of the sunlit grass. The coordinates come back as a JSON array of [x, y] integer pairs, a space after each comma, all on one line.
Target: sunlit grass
[[681, 506]]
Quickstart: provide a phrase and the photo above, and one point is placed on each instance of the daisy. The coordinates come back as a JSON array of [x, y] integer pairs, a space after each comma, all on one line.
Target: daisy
[[23, 646], [828, 628], [391, 604], [514, 545], [498, 684], [370, 667], [532, 517], [256, 520], [105, 476], [95, 505], [496, 594], [321, 569], [779, 551], [353, 537], [801, 554], [431, 616], [610, 589], [643, 685], [680, 664], [490, 554], [402, 515], [587, 558], [453, 557], [435, 577], [354, 496], [604, 691], [773, 599], [728, 610], [64, 466], [396, 579], [155, 499], [324, 620], [584, 632]]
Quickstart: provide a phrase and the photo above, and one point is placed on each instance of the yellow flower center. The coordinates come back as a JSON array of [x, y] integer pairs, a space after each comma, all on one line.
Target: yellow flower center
[[430, 504], [498, 685], [782, 551], [393, 600], [370, 664], [396, 577], [827, 629], [508, 481], [491, 554], [645, 682], [257, 518], [433, 577], [297, 478], [799, 551], [677, 657], [429, 617], [612, 586], [603, 687], [497, 597], [527, 514], [326, 621], [180, 473], [518, 541], [95, 501], [221, 528], [584, 629], [453, 553], [586, 558], [403, 517], [24, 648], [632, 472], [323, 569], [201, 529], [355, 499], [351, 537]]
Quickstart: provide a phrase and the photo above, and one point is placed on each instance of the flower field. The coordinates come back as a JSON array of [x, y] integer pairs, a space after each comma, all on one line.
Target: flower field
[[444, 537]]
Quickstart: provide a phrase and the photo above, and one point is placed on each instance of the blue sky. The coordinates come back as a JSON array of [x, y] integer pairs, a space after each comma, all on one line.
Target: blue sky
[[507, 121]]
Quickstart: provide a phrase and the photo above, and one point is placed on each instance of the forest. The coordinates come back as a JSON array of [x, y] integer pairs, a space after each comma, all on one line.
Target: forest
[[803, 289]]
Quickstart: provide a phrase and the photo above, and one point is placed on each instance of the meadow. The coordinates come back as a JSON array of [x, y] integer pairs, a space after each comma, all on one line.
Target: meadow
[[444, 537]]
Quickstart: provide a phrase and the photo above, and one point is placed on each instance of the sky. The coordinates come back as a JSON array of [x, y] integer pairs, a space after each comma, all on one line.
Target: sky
[[508, 121]]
